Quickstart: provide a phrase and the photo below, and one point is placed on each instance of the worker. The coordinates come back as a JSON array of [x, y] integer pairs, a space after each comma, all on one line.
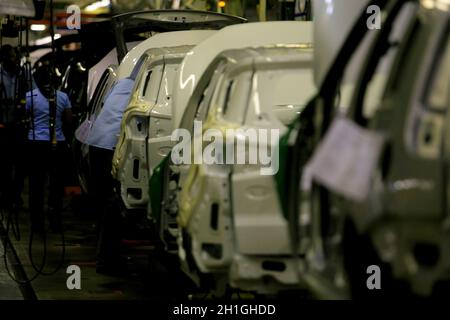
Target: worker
[[102, 141], [46, 147]]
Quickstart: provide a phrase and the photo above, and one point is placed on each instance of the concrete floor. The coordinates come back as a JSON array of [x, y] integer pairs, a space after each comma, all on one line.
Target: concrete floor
[[143, 281], [9, 290]]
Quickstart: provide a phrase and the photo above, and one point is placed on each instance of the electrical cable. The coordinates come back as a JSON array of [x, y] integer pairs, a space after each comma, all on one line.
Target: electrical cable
[[53, 99], [17, 103], [30, 79], [52, 113], [7, 242], [15, 223], [61, 261], [12, 215]]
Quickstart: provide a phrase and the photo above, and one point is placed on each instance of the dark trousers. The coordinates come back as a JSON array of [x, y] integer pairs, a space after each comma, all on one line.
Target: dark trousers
[[106, 204], [46, 162]]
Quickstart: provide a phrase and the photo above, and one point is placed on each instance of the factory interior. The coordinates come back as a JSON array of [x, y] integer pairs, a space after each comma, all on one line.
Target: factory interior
[[249, 151]]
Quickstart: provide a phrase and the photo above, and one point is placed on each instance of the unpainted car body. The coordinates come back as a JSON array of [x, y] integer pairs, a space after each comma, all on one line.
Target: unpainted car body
[[147, 123], [164, 190], [231, 223], [405, 214], [400, 224], [233, 37], [129, 67], [166, 28], [191, 71]]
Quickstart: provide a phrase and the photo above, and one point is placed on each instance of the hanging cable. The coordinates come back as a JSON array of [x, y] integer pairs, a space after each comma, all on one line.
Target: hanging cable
[[30, 80], [18, 104], [7, 242], [53, 99], [12, 221], [52, 127]]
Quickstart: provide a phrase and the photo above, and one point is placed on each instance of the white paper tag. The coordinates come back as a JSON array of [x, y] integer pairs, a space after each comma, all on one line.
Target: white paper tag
[[83, 131], [346, 159]]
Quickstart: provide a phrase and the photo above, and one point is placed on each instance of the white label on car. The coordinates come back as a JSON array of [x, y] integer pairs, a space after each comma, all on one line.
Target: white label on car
[[346, 159]]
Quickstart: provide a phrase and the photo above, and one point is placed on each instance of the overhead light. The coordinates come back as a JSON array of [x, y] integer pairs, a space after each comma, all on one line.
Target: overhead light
[[46, 40], [222, 4], [38, 27], [98, 5]]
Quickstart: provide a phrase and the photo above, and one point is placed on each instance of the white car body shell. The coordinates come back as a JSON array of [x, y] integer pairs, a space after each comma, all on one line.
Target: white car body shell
[[233, 37], [194, 65], [249, 227], [146, 121], [132, 163], [165, 39], [128, 68]]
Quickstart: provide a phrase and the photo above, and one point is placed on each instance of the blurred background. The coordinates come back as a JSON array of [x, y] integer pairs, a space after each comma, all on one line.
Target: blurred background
[[98, 10]]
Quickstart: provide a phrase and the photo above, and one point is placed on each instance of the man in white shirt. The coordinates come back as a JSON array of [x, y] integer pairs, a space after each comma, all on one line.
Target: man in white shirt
[[102, 141]]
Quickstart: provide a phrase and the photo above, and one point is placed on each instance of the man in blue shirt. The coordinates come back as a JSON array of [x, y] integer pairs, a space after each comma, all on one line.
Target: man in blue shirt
[[102, 141], [47, 147], [39, 128]]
